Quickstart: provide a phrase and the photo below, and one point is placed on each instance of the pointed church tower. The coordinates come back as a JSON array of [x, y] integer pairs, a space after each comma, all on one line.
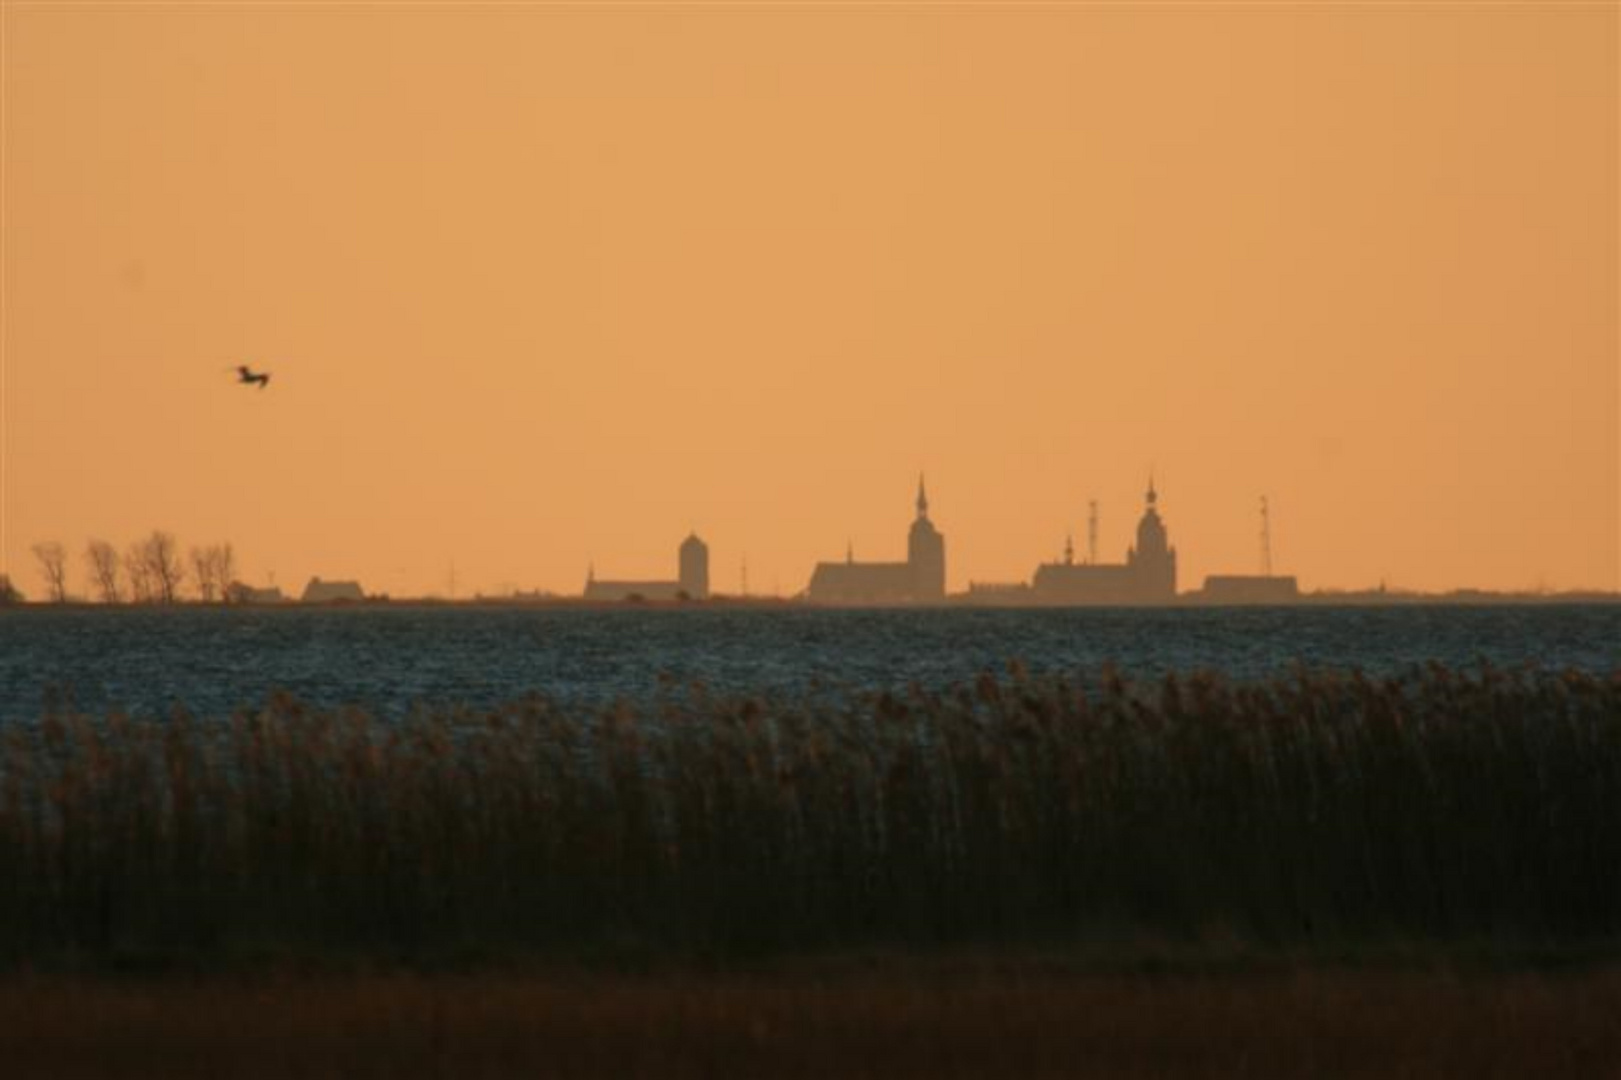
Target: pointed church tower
[[926, 553]]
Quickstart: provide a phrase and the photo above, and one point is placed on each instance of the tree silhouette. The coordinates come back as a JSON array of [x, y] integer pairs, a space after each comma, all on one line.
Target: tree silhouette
[[103, 560], [139, 574], [164, 569], [53, 567], [202, 572], [224, 568], [212, 569]]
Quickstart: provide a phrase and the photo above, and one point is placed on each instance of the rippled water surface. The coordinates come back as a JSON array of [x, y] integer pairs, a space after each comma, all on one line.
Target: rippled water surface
[[213, 661]]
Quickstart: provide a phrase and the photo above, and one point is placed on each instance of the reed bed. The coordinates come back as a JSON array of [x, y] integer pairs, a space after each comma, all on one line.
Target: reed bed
[[1315, 810]]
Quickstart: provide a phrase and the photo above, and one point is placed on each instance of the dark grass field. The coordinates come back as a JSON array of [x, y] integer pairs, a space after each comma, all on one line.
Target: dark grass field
[[895, 1019]]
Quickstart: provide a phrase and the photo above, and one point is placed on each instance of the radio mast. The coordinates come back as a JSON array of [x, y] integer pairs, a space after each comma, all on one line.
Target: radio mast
[[1266, 540]]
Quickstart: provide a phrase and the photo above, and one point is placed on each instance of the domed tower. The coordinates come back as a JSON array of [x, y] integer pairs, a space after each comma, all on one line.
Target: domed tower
[[1153, 560], [926, 553], [694, 576]]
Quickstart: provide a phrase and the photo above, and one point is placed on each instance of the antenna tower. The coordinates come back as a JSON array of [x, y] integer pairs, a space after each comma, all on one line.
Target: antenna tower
[[1266, 539], [1092, 532]]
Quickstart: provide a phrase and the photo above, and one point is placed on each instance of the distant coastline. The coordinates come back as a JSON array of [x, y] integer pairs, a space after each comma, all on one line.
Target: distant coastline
[[955, 601]]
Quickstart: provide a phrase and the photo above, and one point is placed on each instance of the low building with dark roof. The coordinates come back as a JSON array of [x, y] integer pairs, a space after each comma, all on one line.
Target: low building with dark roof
[[238, 592], [1249, 589], [332, 592]]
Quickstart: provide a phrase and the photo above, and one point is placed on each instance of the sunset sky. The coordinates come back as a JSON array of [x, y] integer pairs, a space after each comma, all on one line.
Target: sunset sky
[[544, 285]]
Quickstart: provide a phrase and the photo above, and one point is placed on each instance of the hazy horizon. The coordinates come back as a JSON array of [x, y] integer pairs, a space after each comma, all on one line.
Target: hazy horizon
[[543, 287]]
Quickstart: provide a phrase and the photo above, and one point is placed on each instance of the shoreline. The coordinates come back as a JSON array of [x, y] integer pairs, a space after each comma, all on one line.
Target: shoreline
[[1352, 601]]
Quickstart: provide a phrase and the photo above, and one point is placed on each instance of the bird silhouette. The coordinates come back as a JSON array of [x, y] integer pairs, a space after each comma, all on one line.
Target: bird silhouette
[[246, 375]]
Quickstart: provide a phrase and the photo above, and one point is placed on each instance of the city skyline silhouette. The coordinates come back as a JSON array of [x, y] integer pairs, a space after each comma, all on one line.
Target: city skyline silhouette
[[156, 570]]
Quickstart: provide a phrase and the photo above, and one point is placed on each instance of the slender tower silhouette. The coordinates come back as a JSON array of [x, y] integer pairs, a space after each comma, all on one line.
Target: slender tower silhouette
[[1092, 532], [693, 567], [1266, 539], [926, 552]]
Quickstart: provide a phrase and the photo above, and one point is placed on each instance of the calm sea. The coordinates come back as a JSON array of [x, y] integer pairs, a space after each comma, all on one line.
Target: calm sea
[[214, 661]]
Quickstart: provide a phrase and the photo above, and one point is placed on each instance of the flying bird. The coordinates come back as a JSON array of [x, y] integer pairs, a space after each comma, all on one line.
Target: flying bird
[[246, 375]]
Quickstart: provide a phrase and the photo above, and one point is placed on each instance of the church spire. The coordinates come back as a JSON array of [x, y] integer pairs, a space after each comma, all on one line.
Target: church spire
[[1153, 496], [922, 498]]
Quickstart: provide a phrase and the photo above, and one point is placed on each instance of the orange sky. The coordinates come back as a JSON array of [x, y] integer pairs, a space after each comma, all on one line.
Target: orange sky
[[544, 285]]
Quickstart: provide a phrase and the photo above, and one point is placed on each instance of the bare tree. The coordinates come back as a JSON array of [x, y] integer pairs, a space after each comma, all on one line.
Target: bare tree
[[202, 572], [212, 568], [103, 560], [53, 567], [224, 568], [164, 569], [140, 575]]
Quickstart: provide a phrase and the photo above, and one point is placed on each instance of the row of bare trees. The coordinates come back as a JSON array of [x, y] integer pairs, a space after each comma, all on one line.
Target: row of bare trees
[[148, 571]]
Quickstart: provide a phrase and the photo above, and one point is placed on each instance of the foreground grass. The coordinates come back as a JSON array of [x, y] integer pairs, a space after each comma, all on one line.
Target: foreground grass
[[928, 1020], [1321, 812]]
